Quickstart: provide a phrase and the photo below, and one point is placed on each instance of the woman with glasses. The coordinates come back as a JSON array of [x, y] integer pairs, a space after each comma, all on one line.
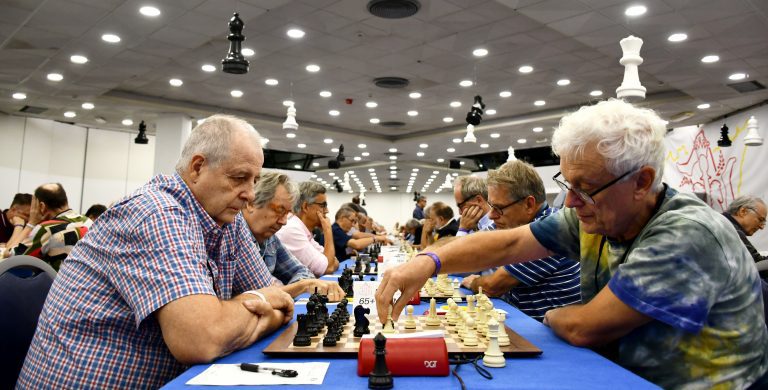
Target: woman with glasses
[[667, 285]]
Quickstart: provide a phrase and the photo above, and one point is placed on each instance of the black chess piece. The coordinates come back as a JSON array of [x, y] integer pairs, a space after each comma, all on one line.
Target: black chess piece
[[367, 268], [312, 328], [358, 265], [302, 337], [361, 276], [380, 377], [234, 62], [330, 338], [361, 322]]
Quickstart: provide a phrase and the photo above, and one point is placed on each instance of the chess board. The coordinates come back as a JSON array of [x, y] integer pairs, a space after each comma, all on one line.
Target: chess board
[[440, 296], [348, 344]]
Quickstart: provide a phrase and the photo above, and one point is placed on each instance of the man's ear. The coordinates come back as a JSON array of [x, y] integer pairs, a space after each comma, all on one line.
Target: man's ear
[[644, 182], [196, 165]]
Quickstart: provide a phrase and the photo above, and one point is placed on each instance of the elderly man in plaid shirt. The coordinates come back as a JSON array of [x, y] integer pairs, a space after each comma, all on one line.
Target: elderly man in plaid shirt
[[169, 277], [275, 194]]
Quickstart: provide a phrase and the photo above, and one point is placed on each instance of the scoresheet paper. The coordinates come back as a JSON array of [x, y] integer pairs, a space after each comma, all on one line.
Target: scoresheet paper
[[311, 373]]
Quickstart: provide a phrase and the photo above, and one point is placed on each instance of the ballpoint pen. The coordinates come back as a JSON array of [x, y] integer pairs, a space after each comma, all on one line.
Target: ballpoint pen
[[275, 371]]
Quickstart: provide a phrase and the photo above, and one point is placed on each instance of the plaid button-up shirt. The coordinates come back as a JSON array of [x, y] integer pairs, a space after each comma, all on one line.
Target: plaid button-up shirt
[[281, 263], [157, 245]]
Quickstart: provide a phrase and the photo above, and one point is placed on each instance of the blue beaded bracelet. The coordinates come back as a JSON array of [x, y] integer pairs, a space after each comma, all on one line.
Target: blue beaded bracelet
[[435, 258]]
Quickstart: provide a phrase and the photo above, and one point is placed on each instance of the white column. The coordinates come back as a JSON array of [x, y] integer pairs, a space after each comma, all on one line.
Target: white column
[[172, 130]]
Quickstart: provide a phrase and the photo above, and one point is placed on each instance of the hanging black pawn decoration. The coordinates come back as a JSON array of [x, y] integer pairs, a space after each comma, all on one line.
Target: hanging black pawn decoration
[[475, 114], [234, 62], [380, 377], [724, 141]]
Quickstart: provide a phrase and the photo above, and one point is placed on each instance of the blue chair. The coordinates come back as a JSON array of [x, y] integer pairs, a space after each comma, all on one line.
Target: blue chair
[[24, 285]]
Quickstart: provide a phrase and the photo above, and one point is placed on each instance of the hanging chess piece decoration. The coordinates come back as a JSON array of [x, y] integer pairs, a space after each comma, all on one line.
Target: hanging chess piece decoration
[[380, 377], [234, 62], [753, 137], [630, 88], [493, 356], [474, 116], [511, 154], [290, 123], [724, 141]]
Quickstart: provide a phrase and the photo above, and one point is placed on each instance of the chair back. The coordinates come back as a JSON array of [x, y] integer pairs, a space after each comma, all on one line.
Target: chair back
[[24, 285]]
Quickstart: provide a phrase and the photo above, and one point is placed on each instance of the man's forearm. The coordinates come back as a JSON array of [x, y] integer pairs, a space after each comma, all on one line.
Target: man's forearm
[[297, 288]]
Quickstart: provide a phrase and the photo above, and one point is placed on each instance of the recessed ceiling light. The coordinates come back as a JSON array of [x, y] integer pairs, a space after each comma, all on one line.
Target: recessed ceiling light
[[371, 104], [539, 103], [325, 94], [365, 154], [525, 69], [462, 162], [362, 146], [490, 111], [708, 59], [288, 102], [371, 170], [375, 121], [334, 150], [290, 135], [55, 76], [301, 146], [447, 119], [328, 140], [419, 154], [481, 52], [392, 188], [457, 140], [149, 11], [465, 83], [295, 33], [175, 82], [635, 10], [505, 94], [297, 166], [521, 140], [455, 104], [78, 59], [538, 129], [413, 113], [315, 164], [423, 146], [450, 150], [127, 122], [703, 106], [563, 82], [236, 93], [271, 82], [208, 68], [738, 76], [414, 95], [248, 52], [19, 95], [313, 68], [334, 113], [677, 37], [393, 157], [393, 150], [495, 135], [596, 92], [111, 38], [70, 114], [440, 160], [88, 106], [357, 158], [484, 146]]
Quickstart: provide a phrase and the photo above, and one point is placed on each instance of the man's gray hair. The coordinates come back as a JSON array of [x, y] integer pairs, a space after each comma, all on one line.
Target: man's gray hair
[[308, 191], [212, 138], [520, 179], [627, 137], [470, 186], [747, 201], [345, 212], [412, 223], [266, 188]]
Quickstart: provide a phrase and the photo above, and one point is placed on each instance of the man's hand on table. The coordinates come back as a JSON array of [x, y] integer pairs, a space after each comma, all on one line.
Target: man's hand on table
[[325, 287], [277, 298]]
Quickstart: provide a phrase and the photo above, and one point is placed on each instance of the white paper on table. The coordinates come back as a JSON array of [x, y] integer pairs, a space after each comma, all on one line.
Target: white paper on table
[[311, 373]]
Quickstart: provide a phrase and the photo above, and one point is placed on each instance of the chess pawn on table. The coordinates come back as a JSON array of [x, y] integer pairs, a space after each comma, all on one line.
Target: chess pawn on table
[[470, 338], [451, 316], [456, 295], [503, 336], [410, 322], [432, 318], [471, 304], [493, 356], [630, 88], [389, 326]]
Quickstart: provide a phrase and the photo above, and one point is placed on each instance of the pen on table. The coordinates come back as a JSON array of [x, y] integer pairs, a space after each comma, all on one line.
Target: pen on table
[[275, 371]]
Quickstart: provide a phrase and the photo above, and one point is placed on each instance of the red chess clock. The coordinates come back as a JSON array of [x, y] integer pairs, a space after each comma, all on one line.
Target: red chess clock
[[407, 357]]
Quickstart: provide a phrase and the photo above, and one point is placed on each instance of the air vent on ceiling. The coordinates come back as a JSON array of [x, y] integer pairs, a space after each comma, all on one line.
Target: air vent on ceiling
[[392, 124], [33, 110], [391, 82], [747, 86], [393, 9]]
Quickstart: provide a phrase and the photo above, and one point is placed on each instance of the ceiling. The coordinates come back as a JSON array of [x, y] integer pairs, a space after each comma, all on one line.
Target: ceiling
[[575, 40]]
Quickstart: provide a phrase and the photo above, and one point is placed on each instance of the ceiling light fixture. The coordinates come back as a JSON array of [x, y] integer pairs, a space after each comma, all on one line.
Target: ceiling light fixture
[[111, 38], [290, 135], [703, 106], [596, 93], [313, 68], [414, 95], [271, 82], [708, 59], [70, 114], [490, 111], [419, 154], [447, 119], [236, 93], [738, 76], [455, 104], [88, 106], [55, 76], [677, 37], [149, 11], [481, 52], [208, 68], [248, 52], [505, 94], [521, 140], [78, 59], [413, 113], [295, 33], [371, 104], [525, 69], [539, 103], [334, 113], [328, 140], [484, 146], [375, 121], [537, 129], [127, 122], [495, 135], [301, 146], [19, 95], [175, 82], [635, 10], [423, 146], [563, 82], [362, 146], [326, 94], [465, 83]]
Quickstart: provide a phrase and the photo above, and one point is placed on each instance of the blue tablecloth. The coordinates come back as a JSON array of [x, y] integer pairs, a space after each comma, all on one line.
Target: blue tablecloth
[[561, 366]]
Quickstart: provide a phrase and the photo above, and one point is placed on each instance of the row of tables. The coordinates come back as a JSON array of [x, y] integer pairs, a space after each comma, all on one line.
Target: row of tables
[[560, 366]]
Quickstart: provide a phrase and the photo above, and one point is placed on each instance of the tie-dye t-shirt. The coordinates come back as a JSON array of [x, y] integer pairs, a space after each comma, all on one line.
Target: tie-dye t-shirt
[[688, 270]]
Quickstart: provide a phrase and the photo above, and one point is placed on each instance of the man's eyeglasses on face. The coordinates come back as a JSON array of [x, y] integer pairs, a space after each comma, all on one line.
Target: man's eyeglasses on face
[[760, 219], [587, 197], [461, 205], [279, 210], [323, 205], [500, 209], [353, 220]]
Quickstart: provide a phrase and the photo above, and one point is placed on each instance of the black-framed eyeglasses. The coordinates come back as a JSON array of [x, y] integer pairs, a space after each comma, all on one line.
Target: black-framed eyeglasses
[[587, 197], [323, 205], [760, 219], [461, 205], [500, 209]]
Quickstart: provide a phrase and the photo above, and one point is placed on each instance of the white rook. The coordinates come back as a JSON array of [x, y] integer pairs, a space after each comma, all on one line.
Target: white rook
[[630, 88]]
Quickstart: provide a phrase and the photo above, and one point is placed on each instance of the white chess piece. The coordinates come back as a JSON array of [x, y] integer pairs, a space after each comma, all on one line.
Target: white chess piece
[[451, 316], [630, 87], [493, 355], [389, 326], [432, 319], [503, 336], [470, 338], [471, 305], [456, 295], [410, 322]]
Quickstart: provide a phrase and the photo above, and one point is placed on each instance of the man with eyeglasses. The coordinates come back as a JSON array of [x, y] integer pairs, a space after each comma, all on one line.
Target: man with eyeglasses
[[265, 216], [747, 214], [310, 211], [667, 285], [471, 196], [346, 219], [516, 197]]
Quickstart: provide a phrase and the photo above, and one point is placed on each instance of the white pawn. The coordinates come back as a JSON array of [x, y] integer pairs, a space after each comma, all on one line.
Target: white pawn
[[503, 336], [389, 326], [410, 322], [470, 338], [452, 310], [456, 296], [471, 305], [493, 355], [432, 319]]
